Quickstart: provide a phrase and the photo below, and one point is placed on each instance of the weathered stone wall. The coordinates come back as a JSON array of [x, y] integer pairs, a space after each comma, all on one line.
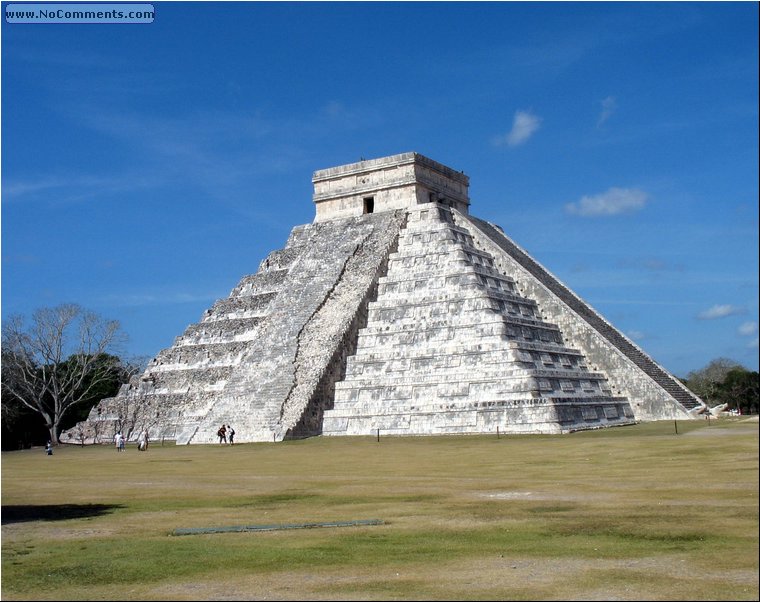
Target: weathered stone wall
[[654, 394], [183, 382], [277, 381], [332, 333]]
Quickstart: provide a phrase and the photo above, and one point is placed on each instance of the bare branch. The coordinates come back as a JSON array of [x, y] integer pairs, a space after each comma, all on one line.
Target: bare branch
[[61, 359]]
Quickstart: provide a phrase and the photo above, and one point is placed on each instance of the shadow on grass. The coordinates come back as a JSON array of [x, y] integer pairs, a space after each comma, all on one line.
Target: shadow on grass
[[28, 513]]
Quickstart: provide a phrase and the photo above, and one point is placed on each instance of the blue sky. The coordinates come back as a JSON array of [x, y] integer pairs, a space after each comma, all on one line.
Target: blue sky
[[146, 168]]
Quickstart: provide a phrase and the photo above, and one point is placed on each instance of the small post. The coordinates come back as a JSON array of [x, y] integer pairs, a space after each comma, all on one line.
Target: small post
[[378, 435], [497, 433], [675, 423]]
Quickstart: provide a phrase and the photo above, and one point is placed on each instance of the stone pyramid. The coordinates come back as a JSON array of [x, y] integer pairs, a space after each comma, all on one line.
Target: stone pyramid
[[394, 312]]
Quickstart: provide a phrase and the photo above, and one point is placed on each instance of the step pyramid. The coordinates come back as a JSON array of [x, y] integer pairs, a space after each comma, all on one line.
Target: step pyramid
[[394, 312]]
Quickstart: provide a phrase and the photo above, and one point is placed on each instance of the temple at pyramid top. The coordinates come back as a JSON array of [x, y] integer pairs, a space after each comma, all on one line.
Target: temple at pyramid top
[[387, 184]]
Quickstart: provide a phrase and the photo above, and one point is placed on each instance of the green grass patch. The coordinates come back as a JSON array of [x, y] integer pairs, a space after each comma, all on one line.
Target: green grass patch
[[624, 513]]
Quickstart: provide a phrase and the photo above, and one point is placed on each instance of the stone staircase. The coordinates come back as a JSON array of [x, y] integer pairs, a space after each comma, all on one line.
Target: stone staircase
[[279, 388], [658, 374], [182, 383], [451, 346]]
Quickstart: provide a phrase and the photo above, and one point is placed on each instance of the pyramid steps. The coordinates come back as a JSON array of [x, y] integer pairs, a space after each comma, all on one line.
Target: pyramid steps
[[182, 383], [277, 381], [426, 313], [687, 399]]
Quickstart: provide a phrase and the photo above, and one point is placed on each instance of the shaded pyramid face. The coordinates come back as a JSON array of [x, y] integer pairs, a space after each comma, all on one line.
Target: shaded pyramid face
[[395, 311]]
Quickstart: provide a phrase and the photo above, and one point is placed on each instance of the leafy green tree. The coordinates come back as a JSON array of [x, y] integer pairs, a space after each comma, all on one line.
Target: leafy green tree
[[21, 427], [740, 389], [706, 382], [726, 381], [59, 361]]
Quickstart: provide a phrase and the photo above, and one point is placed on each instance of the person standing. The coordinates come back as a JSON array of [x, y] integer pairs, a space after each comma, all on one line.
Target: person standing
[[231, 432], [117, 439], [222, 433], [142, 442]]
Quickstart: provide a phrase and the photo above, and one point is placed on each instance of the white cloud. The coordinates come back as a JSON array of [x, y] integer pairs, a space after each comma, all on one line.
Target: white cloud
[[612, 202], [609, 105], [636, 335], [753, 344], [748, 328], [719, 311], [524, 125]]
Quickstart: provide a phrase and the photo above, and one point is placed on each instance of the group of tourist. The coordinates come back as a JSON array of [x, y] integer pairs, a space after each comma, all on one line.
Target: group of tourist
[[224, 432], [121, 441]]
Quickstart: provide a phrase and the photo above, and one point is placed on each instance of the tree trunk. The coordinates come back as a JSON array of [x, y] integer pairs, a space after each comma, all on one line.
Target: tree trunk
[[53, 433]]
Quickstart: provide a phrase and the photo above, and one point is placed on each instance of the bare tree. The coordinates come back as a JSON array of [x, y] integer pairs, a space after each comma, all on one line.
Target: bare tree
[[58, 361]]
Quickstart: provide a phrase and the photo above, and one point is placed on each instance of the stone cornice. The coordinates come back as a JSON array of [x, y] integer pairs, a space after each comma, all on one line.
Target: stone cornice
[[389, 162]]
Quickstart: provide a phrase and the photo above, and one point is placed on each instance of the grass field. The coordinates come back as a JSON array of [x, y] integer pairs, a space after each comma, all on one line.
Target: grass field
[[630, 513]]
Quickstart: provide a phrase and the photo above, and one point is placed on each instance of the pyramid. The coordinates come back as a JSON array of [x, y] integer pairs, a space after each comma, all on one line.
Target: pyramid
[[396, 312]]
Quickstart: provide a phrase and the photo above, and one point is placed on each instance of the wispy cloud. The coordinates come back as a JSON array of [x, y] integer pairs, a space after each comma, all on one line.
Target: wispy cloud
[[649, 264], [524, 125], [72, 58], [72, 187], [160, 298], [720, 311], [636, 335], [749, 329], [223, 150], [609, 106], [23, 259], [219, 152], [643, 302], [614, 201]]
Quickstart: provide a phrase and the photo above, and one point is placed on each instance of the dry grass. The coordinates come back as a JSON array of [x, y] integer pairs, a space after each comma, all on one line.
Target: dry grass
[[621, 514]]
